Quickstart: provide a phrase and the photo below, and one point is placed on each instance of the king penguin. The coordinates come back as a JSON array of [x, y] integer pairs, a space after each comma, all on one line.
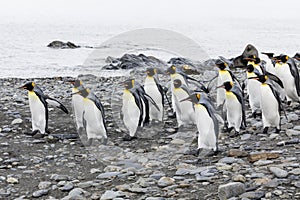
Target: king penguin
[[93, 116], [77, 103], [224, 75], [206, 122], [173, 72], [253, 89], [235, 107], [256, 63], [155, 91], [270, 105], [132, 108], [38, 103], [184, 110], [287, 71]]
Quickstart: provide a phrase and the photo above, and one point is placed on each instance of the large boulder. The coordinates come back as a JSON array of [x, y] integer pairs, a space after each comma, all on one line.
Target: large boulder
[[62, 45]]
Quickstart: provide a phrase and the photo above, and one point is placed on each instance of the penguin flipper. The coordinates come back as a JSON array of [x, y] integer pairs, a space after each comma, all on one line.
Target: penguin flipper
[[57, 104], [275, 78], [295, 73]]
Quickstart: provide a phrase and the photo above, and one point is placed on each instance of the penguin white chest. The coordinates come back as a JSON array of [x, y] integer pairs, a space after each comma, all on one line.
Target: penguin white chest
[[38, 113], [152, 90], [207, 136], [185, 109], [131, 112], [234, 111], [77, 102], [223, 77], [94, 121], [253, 88], [269, 106]]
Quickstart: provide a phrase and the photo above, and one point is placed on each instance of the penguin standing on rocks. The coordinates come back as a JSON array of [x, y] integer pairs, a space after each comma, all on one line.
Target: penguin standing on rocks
[[235, 107], [132, 108], [287, 71], [224, 74], [93, 116], [253, 89], [155, 91], [185, 113], [206, 121], [77, 103], [270, 104], [38, 103]]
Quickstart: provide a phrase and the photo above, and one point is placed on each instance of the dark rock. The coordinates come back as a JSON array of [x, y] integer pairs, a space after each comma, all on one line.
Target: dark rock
[[62, 45]]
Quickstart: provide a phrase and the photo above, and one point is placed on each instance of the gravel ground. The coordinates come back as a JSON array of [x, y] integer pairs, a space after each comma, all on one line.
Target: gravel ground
[[250, 166]]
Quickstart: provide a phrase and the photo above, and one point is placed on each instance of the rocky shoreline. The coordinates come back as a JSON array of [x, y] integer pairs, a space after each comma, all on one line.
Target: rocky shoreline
[[153, 167]]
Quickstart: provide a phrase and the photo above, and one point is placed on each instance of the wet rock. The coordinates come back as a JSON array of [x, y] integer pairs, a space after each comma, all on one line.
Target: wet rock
[[40, 193], [44, 185], [17, 121], [12, 180], [237, 153], [253, 195], [108, 175], [229, 190], [165, 181], [109, 194], [62, 45], [262, 156], [280, 173]]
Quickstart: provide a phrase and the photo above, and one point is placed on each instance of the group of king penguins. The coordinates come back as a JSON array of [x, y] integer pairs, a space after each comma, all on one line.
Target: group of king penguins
[[192, 102]]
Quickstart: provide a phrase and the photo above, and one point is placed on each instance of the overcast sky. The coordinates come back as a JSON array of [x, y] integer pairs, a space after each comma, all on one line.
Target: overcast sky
[[146, 11]]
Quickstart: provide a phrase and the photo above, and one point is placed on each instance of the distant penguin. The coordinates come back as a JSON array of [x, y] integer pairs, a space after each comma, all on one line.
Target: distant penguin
[[38, 103], [206, 121], [173, 72], [253, 89], [94, 117], [77, 103], [256, 63], [235, 107], [287, 71], [270, 105], [155, 91], [224, 75], [185, 113]]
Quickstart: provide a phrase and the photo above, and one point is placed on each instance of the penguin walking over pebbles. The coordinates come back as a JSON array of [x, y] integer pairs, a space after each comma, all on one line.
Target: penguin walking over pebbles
[[235, 107], [270, 104], [206, 121], [77, 103], [93, 116], [38, 103], [155, 91], [185, 113]]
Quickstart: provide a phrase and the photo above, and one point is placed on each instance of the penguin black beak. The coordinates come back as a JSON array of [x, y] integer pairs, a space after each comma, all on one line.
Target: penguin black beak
[[22, 87], [186, 99], [79, 92], [221, 86], [256, 78], [72, 82]]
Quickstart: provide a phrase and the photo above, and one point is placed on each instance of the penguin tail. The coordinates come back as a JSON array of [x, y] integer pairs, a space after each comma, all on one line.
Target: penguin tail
[[57, 104]]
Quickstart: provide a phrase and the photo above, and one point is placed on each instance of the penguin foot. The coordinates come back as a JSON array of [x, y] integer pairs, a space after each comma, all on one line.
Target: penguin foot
[[277, 130], [265, 131], [194, 152], [229, 129], [129, 138], [38, 135], [235, 134], [32, 133], [104, 140]]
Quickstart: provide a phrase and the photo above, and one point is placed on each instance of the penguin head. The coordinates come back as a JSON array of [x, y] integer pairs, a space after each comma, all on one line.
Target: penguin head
[[228, 85], [194, 98], [283, 58], [253, 58], [28, 86], [262, 78], [177, 83], [77, 83], [85, 92], [128, 84], [151, 72], [220, 64], [250, 68], [171, 70]]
